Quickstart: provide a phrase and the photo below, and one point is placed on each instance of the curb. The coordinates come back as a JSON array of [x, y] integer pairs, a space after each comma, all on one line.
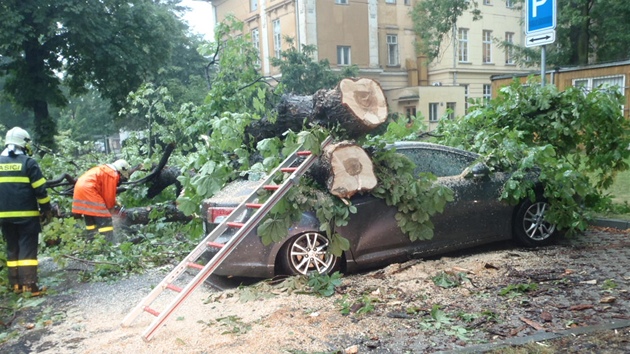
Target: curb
[[614, 223], [540, 336]]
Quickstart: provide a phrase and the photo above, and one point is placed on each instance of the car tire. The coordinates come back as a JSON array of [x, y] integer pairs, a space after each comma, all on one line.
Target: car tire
[[307, 253], [530, 228]]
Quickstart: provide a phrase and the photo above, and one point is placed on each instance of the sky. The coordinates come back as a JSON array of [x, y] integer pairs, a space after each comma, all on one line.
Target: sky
[[200, 17]]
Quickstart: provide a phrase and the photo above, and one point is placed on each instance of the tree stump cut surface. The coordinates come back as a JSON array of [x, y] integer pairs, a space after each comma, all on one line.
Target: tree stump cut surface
[[351, 169], [366, 100]]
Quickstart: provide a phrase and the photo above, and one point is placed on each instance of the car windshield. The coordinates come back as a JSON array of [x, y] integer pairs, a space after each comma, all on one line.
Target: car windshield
[[440, 162]]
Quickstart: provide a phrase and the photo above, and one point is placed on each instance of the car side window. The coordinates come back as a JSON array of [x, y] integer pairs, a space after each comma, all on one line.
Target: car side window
[[439, 162]]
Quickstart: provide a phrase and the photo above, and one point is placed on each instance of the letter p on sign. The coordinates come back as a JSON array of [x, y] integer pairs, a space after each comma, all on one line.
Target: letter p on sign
[[541, 15], [535, 6]]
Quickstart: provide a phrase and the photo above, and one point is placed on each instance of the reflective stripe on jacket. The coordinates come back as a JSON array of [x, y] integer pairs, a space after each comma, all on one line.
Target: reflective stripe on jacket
[[95, 192], [22, 188]]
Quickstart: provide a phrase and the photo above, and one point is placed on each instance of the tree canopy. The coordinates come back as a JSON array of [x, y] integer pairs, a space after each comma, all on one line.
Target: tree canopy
[[434, 21], [587, 32], [577, 141], [112, 45], [301, 75]]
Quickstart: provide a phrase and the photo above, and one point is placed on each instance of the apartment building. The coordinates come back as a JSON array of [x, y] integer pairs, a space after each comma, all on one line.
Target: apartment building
[[378, 37]]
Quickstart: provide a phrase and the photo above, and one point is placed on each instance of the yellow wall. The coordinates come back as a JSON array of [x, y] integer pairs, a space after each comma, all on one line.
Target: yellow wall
[[421, 96]]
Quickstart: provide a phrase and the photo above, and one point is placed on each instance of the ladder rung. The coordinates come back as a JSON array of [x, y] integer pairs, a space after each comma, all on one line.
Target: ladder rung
[[303, 153], [253, 205], [215, 244], [151, 311], [235, 224], [271, 187], [194, 265], [174, 288], [288, 169]]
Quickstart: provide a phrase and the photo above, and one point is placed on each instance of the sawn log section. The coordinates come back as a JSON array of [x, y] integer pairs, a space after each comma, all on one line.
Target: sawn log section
[[356, 106]]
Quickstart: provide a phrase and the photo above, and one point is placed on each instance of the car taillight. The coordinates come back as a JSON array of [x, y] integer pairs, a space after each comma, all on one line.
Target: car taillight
[[219, 214]]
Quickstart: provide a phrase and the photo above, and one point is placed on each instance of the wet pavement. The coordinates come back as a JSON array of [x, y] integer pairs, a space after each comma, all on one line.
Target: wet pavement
[[600, 260]]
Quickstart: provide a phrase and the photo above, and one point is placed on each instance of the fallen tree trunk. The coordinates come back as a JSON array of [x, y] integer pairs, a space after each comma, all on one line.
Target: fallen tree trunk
[[357, 106], [141, 215]]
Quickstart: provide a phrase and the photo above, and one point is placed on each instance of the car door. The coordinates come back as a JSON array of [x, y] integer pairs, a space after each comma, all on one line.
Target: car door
[[476, 215], [374, 232]]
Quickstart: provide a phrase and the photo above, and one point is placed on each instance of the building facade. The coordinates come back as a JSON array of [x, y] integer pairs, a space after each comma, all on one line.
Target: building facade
[[378, 37]]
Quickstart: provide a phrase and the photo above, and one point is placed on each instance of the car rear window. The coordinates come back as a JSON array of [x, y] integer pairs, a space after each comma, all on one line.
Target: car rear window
[[442, 163]]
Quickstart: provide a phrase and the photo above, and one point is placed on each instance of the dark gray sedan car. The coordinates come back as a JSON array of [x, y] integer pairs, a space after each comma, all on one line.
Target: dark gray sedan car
[[475, 217]]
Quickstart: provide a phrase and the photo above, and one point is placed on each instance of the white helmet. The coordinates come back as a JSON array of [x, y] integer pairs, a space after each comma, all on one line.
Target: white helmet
[[123, 167], [18, 137]]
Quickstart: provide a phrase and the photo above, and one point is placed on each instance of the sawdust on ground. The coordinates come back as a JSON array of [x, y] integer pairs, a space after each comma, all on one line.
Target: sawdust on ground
[[390, 310]]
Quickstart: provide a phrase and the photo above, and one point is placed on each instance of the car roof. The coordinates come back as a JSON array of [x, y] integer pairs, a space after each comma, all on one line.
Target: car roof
[[236, 191]]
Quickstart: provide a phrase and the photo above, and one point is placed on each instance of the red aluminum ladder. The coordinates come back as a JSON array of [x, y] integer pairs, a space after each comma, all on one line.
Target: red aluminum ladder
[[304, 159]]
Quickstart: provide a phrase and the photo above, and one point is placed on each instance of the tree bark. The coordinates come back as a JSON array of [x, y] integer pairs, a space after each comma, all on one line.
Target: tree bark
[[140, 215], [356, 105]]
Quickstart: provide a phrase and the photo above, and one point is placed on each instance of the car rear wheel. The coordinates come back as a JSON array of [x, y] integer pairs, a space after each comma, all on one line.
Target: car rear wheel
[[308, 253], [530, 227]]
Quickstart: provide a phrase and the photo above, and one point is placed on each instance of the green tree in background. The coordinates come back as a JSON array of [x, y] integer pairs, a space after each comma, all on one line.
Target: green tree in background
[[86, 117], [301, 75], [435, 21], [111, 44], [587, 32]]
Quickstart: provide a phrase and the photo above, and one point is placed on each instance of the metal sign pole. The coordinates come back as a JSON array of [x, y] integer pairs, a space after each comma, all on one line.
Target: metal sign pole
[[542, 65]]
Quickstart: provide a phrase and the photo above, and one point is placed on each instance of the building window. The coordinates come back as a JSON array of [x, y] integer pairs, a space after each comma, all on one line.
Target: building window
[[487, 47], [253, 5], [450, 107], [487, 93], [616, 83], [509, 49], [606, 82], [392, 50], [433, 112], [343, 55], [390, 1], [463, 45], [277, 38], [487, 2], [407, 2], [342, 2], [410, 112], [466, 97], [256, 42], [509, 4]]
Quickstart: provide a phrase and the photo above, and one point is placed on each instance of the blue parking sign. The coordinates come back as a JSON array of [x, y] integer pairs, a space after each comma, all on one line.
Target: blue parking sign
[[541, 15]]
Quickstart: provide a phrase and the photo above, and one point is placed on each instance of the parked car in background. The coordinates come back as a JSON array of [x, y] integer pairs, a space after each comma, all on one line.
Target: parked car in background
[[475, 217]]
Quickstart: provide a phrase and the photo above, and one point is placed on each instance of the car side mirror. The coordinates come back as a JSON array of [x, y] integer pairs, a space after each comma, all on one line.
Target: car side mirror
[[477, 171]]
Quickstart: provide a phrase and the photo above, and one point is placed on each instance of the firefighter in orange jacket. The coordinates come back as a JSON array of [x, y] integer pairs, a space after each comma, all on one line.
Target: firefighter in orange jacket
[[23, 202], [95, 196]]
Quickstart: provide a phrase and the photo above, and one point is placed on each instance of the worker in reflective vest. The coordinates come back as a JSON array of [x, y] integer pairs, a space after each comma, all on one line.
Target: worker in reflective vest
[[95, 196], [23, 202]]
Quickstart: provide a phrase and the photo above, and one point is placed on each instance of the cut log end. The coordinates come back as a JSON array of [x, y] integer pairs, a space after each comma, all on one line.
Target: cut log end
[[351, 168], [366, 99]]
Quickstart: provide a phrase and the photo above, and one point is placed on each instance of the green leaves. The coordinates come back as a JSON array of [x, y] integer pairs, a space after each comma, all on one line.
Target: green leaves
[[433, 22], [274, 229], [324, 284], [573, 142], [417, 198], [303, 76]]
